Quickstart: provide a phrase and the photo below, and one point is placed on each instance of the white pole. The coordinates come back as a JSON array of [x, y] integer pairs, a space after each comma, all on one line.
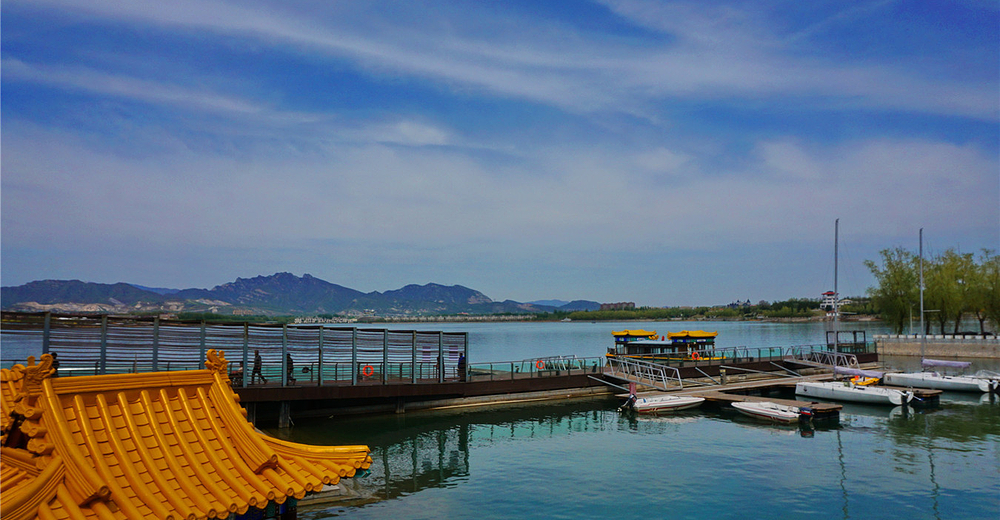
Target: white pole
[[923, 331], [836, 295]]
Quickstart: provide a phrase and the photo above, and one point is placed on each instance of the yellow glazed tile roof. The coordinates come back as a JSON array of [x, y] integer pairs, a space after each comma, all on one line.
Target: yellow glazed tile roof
[[692, 334], [168, 445]]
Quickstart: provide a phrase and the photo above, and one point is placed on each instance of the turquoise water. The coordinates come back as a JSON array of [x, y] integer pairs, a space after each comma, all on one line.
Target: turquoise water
[[585, 460], [582, 459]]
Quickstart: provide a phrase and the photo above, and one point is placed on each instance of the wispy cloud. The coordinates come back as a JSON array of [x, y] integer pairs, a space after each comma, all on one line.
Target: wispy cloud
[[116, 85], [727, 52]]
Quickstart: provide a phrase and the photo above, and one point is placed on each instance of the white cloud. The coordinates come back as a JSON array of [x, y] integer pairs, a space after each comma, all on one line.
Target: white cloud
[[725, 54]]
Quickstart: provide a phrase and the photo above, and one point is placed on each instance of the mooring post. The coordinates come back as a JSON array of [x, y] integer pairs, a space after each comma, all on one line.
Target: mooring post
[[156, 343], [284, 414], [104, 344], [45, 332]]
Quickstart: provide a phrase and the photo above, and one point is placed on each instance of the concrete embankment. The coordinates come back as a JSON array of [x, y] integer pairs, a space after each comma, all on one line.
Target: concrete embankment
[[939, 346]]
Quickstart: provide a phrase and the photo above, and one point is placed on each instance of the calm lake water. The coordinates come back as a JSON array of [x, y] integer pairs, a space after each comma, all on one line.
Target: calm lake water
[[582, 459]]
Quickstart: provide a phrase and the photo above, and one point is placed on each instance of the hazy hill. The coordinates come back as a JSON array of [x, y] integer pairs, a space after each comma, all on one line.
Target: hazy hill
[[280, 293]]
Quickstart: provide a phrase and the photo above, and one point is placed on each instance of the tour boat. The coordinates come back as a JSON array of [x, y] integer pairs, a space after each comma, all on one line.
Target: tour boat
[[773, 411], [958, 383], [847, 391], [663, 403], [686, 345]]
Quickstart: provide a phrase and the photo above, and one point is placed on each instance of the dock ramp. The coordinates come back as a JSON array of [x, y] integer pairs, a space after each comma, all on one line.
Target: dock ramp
[[658, 376]]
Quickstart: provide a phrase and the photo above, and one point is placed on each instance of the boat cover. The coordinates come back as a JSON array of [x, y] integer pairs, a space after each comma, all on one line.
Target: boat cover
[[943, 363], [857, 372], [692, 334], [638, 333]]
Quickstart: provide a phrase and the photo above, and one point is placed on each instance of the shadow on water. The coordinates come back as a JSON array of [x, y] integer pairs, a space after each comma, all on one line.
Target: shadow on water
[[421, 451], [430, 449]]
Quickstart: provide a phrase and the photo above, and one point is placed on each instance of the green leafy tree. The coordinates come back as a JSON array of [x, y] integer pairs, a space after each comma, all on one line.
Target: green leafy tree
[[897, 291], [989, 292]]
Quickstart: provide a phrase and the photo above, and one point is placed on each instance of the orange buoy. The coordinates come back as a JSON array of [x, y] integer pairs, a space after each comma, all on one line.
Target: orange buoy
[[368, 371]]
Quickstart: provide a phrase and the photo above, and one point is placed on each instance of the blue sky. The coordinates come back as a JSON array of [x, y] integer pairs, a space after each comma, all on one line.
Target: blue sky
[[667, 153]]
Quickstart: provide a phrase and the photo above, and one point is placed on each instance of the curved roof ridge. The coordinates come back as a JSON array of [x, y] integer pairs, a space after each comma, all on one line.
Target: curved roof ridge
[[168, 445]]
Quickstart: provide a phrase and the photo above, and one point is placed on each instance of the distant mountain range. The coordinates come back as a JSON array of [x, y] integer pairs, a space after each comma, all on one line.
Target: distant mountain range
[[278, 294]]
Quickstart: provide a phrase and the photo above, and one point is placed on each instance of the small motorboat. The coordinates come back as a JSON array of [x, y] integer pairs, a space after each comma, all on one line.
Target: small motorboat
[[773, 411], [956, 383], [847, 391], [660, 404]]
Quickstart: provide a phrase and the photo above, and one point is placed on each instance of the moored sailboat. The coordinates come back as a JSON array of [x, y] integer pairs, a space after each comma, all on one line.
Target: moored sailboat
[[848, 391], [933, 379]]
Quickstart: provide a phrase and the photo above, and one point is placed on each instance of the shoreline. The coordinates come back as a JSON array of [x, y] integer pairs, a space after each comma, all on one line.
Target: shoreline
[[939, 346]]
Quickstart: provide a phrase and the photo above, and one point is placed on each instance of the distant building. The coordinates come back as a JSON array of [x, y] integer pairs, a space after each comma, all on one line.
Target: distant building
[[830, 300], [620, 306]]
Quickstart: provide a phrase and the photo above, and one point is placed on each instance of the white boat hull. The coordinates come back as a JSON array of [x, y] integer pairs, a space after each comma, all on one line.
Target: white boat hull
[[668, 403], [768, 411], [932, 380], [839, 391]]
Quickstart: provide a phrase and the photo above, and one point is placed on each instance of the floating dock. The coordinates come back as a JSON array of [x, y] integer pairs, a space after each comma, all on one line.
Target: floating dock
[[774, 390]]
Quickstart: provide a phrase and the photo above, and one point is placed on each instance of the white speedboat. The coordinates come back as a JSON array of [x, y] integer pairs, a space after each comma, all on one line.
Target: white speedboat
[[773, 411], [846, 391], [941, 382], [663, 403], [956, 383]]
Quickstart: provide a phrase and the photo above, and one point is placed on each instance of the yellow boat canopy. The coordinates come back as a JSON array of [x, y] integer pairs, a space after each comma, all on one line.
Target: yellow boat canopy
[[692, 334], [638, 333]]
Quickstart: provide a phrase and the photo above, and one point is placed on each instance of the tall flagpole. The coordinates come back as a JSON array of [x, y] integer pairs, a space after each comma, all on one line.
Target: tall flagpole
[[923, 331], [836, 294]]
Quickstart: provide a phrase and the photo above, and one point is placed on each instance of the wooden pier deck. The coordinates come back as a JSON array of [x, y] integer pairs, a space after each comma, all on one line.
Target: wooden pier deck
[[743, 391]]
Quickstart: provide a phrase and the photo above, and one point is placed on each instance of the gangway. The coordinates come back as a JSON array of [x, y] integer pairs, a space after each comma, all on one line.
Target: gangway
[[824, 359], [642, 372]]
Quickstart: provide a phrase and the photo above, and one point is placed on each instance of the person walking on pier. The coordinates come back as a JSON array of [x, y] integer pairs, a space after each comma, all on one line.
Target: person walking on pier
[[290, 368], [461, 367], [258, 363]]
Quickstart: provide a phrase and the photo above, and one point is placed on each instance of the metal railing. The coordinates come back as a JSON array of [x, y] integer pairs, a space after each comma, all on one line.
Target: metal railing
[[730, 355], [290, 355], [645, 372], [553, 366]]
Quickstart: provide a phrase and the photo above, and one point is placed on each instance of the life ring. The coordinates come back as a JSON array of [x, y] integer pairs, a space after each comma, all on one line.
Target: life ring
[[695, 356], [368, 371], [540, 365]]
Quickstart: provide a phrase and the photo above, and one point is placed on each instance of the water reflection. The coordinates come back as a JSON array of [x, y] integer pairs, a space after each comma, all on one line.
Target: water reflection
[[421, 450], [930, 460]]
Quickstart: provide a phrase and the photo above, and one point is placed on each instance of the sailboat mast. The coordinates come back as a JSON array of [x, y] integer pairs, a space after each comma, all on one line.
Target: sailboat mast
[[836, 294], [923, 331]]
